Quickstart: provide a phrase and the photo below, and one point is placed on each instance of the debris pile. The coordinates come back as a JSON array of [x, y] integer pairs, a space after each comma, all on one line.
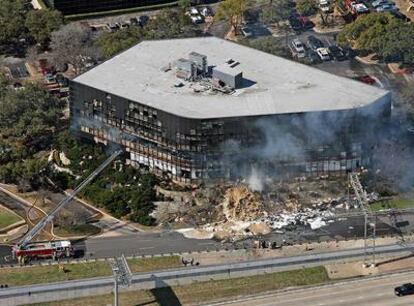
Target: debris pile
[[241, 204], [237, 211]]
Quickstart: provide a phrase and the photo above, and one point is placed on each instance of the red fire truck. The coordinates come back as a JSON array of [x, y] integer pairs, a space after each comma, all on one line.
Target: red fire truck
[[27, 250], [44, 250]]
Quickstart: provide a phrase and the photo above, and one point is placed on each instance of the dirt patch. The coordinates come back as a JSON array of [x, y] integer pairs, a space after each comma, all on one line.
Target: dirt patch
[[396, 264], [348, 270], [403, 5], [259, 229]]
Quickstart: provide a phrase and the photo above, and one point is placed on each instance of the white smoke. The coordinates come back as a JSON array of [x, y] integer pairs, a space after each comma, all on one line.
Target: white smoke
[[255, 180]]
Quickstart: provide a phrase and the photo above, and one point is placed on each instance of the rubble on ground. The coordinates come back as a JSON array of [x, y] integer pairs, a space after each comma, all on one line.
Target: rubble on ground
[[233, 212], [241, 204]]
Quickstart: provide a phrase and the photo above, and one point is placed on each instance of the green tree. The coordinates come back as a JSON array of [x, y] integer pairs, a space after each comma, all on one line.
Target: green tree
[[276, 11], [12, 16], [367, 31], [232, 11], [383, 34], [184, 4], [170, 23], [113, 43], [306, 7], [41, 24], [28, 117], [270, 44]]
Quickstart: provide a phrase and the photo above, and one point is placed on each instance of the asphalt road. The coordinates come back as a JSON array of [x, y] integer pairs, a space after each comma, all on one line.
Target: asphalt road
[[144, 244], [171, 242], [372, 292]]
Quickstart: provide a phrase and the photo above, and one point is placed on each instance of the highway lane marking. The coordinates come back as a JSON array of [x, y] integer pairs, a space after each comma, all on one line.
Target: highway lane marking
[[106, 239], [146, 248]]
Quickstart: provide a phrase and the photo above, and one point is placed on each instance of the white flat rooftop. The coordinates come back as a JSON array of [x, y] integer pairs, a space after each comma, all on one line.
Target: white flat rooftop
[[273, 85]]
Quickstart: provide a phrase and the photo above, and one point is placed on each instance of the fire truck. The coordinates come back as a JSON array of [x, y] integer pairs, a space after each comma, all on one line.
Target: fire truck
[[27, 250], [44, 250]]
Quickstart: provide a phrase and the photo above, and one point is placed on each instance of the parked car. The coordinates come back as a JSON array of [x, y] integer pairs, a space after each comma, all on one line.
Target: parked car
[[194, 15], [206, 11], [297, 47], [405, 289], [112, 27], [124, 25], [400, 15], [143, 20], [62, 81], [349, 52], [295, 24], [336, 53], [324, 6], [365, 79], [314, 43], [305, 22], [386, 8], [134, 21], [359, 8], [323, 54], [247, 32], [312, 57], [378, 3]]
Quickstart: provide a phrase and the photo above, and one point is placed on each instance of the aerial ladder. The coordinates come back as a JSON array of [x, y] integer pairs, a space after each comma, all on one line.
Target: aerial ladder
[[369, 218], [25, 249]]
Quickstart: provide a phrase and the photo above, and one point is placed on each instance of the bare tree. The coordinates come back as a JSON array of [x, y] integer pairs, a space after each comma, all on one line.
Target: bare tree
[[32, 54], [74, 44]]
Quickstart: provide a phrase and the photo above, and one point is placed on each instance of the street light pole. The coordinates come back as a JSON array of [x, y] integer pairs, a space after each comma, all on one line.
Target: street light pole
[[116, 300], [122, 276]]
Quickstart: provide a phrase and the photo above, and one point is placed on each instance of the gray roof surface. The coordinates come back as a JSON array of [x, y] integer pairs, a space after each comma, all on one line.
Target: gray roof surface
[[276, 85]]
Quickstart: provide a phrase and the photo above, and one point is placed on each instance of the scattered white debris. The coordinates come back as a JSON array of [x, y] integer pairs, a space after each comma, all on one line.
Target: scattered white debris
[[316, 223], [65, 161], [194, 233], [61, 169], [50, 157]]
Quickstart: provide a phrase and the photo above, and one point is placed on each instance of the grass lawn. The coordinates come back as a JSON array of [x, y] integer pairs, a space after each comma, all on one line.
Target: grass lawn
[[153, 264], [397, 203], [76, 230], [7, 218], [210, 290], [47, 274]]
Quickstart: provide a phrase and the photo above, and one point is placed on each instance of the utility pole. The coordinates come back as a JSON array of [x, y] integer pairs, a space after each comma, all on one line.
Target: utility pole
[[122, 276], [369, 218]]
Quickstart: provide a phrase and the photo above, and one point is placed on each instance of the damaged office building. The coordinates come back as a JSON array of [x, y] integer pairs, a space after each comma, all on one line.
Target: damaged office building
[[200, 109]]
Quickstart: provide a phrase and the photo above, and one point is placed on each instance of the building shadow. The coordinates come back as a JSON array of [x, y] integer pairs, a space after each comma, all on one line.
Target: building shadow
[[163, 294], [246, 83], [394, 260]]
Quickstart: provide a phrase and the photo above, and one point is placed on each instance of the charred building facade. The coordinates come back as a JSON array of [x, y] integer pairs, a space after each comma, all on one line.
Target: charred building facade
[[205, 108]]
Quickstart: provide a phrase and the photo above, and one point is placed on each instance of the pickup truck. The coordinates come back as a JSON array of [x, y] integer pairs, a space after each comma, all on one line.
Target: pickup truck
[[404, 289]]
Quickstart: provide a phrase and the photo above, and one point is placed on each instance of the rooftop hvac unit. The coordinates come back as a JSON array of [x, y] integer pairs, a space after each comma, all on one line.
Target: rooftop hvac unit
[[186, 69], [200, 61], [228, 74]]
